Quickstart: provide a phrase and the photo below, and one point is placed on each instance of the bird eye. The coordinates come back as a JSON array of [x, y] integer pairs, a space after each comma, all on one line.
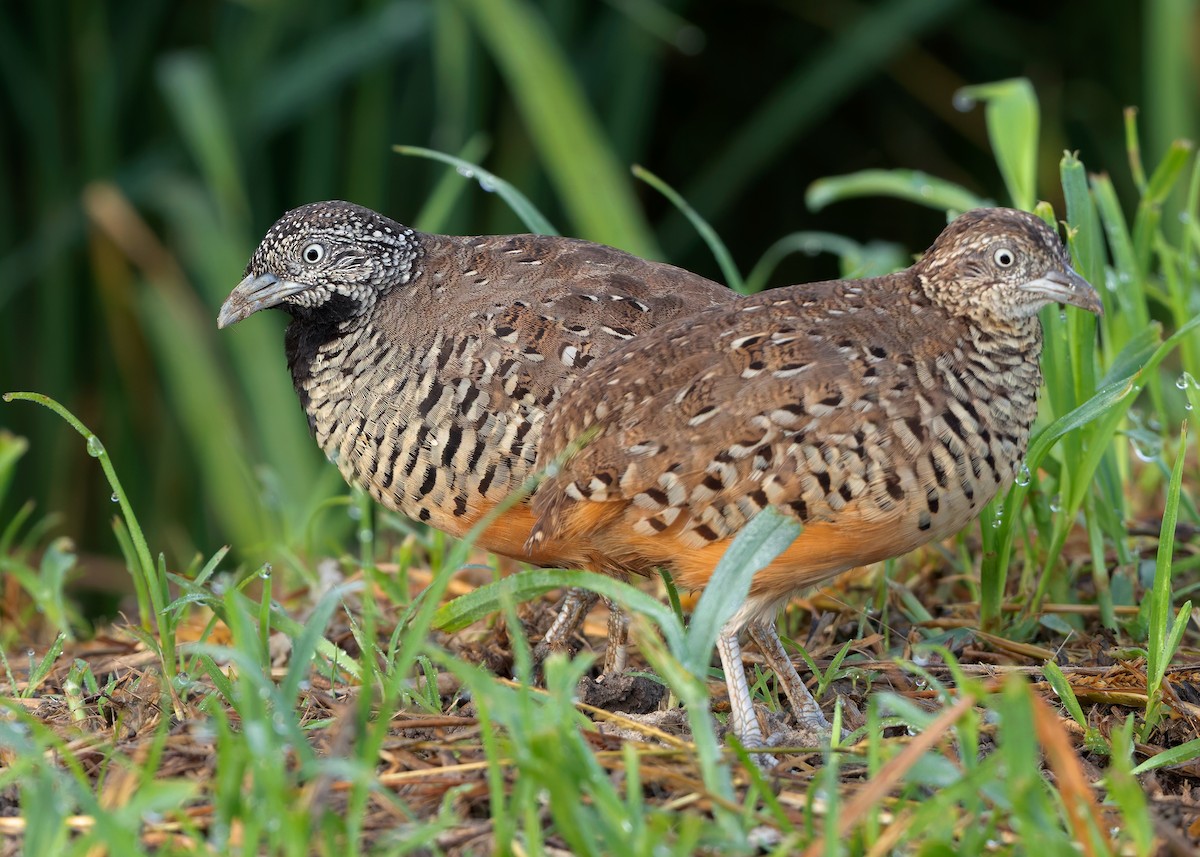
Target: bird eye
[[1004, 257], [313, 253]]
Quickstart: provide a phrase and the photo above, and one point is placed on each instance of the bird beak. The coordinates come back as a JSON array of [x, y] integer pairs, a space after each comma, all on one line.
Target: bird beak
[[1066, 287], [255, 293]]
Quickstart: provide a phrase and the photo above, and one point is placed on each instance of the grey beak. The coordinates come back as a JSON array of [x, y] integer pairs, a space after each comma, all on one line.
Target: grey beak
[[1066, 287], [255, 293]]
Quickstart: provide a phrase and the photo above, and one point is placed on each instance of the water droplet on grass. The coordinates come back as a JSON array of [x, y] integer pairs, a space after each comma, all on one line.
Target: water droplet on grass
[[963, 102], [1023, 475], [355, 512], [1056, 503], [94, 447], [466, 172], [115, 498], [364, 535], [486, 184]]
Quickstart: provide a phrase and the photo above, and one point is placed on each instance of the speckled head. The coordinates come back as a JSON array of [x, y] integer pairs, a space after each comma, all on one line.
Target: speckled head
[[1003, 264], [323, 253]]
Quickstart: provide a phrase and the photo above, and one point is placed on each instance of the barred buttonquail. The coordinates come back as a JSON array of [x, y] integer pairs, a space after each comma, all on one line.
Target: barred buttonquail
[[880, 413], [427, 363]]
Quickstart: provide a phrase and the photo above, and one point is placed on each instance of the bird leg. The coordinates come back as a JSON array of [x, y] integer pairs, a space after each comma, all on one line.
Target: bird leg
[[808, 714], [741, 707], [571, 610], [616, 649]]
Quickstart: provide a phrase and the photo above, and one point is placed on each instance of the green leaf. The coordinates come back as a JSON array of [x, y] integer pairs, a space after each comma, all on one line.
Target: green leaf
[[733, 277], [911, 185], [1012, 123], [1180, 754], [768, 534], [873, 259]]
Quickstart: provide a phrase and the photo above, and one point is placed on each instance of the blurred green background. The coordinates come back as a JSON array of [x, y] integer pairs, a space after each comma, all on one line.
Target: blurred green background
[[146, 145]]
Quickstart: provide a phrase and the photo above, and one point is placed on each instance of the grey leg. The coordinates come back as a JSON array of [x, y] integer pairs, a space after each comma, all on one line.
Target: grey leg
[[804, 707], [616, 649], [741, 706], [574, 607]]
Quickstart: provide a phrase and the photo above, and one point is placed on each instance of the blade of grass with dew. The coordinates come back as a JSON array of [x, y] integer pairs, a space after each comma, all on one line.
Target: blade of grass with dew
[[733, 277], [593, 187], [436, 213], [145, 564], [1012, 121], [533, 219], [910, 185], [1104, 428]]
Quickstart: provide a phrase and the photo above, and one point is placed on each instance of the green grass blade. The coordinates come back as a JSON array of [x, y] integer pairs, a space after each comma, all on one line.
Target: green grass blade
[[912, 185], [1163, 636], [733, 277], [767, 535], [533, 219], [873, 259]]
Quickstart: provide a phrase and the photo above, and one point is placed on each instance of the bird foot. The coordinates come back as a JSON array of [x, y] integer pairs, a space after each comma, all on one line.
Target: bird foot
[[804, 735]]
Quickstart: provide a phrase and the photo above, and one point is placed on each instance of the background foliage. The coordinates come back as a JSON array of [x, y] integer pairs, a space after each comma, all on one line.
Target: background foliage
[[145, 146]]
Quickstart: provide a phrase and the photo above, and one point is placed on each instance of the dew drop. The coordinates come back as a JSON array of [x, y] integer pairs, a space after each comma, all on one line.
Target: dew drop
[[1056, 503], [364, 535], [1183, 381], [1142, 453], [963, 102], [1187, 406], [265, 571], [115, 498], [354, 512], [94, 447], [7, 397], [1023, 475], [1062, 315], [486, 184], [466, 172]]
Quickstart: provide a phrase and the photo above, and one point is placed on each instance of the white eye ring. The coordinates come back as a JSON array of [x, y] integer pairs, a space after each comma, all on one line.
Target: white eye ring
[[1004, 257], [313, 253]]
